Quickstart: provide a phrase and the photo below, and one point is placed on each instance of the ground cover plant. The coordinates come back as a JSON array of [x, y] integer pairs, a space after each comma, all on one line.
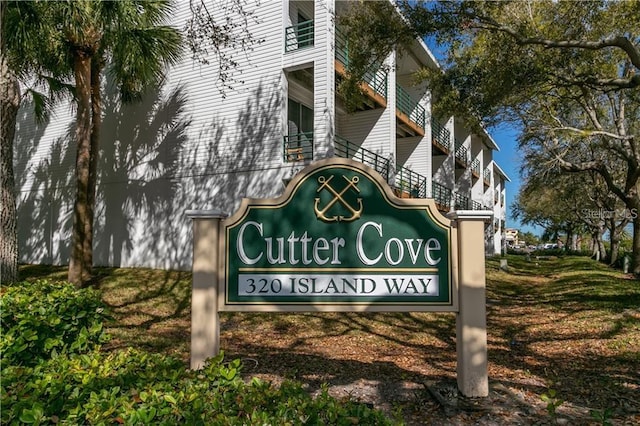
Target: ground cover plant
[[54, 372], [564, 344]]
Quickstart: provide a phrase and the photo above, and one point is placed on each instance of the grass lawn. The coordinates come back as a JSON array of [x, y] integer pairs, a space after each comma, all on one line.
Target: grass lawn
[[567, 325]]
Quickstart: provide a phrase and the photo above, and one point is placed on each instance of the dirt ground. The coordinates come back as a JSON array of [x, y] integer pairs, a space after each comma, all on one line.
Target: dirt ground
[[412, 376], [563, 347]]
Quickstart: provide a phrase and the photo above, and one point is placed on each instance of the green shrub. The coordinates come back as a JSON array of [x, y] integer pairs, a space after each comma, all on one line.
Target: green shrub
[[54, 373], [42, 319], [133, 387]]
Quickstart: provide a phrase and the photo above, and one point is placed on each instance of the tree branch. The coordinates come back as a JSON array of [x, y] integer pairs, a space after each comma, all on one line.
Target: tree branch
[[614, 41]]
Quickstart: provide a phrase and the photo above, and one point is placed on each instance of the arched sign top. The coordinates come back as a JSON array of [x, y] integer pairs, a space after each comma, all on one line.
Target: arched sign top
[[338, 236], [302, 178]]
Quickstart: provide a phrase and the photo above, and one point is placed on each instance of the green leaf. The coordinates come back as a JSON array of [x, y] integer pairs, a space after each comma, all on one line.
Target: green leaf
[[27, 416], [170, 399]]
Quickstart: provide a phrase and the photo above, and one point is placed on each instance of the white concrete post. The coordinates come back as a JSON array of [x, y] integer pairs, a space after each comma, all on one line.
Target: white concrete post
[[471, 321], [205, 324]]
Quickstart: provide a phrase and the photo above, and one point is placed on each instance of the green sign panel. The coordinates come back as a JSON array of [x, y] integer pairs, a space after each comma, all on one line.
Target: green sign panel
[[338, 236]]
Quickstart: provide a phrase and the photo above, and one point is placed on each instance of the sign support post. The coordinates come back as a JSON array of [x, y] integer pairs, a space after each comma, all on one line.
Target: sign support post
[[205, 321], [471, 320]]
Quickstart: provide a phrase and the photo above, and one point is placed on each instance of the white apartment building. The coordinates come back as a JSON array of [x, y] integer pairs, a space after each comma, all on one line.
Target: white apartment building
[[188, 146]]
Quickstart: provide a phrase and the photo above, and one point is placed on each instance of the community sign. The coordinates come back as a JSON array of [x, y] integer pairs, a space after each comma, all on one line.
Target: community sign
[[338, 237]]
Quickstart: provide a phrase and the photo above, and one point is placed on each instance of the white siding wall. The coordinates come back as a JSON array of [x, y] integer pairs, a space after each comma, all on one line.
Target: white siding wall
[[369, 129], [324, 80], [374, 129], [477, 187], [415, 152], [463, 176], [184, 147], [43, 167]]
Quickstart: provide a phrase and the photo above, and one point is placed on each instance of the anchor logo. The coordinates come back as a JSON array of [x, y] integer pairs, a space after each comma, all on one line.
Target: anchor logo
[[337, 197]]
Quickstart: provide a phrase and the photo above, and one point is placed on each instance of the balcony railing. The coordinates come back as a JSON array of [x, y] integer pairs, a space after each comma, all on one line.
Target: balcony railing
[[442, 195], [410, 184], [461, 202], [475, 168], [486, 175], [376, 79], [476, 205], [462, 155], [299, 36], [346, 149], [441, 136], [410, 107], [298, 147], [407, 183]]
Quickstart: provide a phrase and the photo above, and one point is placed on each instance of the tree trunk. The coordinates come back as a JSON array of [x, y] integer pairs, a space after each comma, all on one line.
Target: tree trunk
[[599, 252], [78, 272], [601, 248], [635, 256], [10, 100], [96, 123], [569, 240], [614, 240]]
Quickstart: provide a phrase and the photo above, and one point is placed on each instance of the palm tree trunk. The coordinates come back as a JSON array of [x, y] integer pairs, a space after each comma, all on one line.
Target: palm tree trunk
[[96, 123], [10, 100], [78, 272]]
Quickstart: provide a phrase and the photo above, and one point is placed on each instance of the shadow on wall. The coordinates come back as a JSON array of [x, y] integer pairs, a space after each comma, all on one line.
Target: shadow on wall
[[44, 183], [139, 151], [154, 165], [226, 164]]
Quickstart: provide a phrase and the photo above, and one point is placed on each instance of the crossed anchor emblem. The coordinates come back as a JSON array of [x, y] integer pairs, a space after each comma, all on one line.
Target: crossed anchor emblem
[[351, 184]]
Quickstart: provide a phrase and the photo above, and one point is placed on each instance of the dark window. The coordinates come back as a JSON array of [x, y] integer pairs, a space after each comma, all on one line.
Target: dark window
[[300, 118]]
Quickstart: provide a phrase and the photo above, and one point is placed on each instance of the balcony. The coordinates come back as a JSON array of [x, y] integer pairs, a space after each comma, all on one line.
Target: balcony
[[406, 184], [442, 196], [298, 147], [299, 36], [345, 149], [475, 169], [374, 83], [476, 205], [410, 114], [409, 184], [441, 137], [486, 177], [462, 156], [461, 202]]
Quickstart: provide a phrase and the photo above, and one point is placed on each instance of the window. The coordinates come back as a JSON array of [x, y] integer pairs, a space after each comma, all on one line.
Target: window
[[300, 118], [299, 141]]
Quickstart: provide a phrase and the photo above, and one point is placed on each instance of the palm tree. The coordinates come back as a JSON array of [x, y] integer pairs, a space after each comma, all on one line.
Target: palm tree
[[85, 38], [129, 36], [22, 58]]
